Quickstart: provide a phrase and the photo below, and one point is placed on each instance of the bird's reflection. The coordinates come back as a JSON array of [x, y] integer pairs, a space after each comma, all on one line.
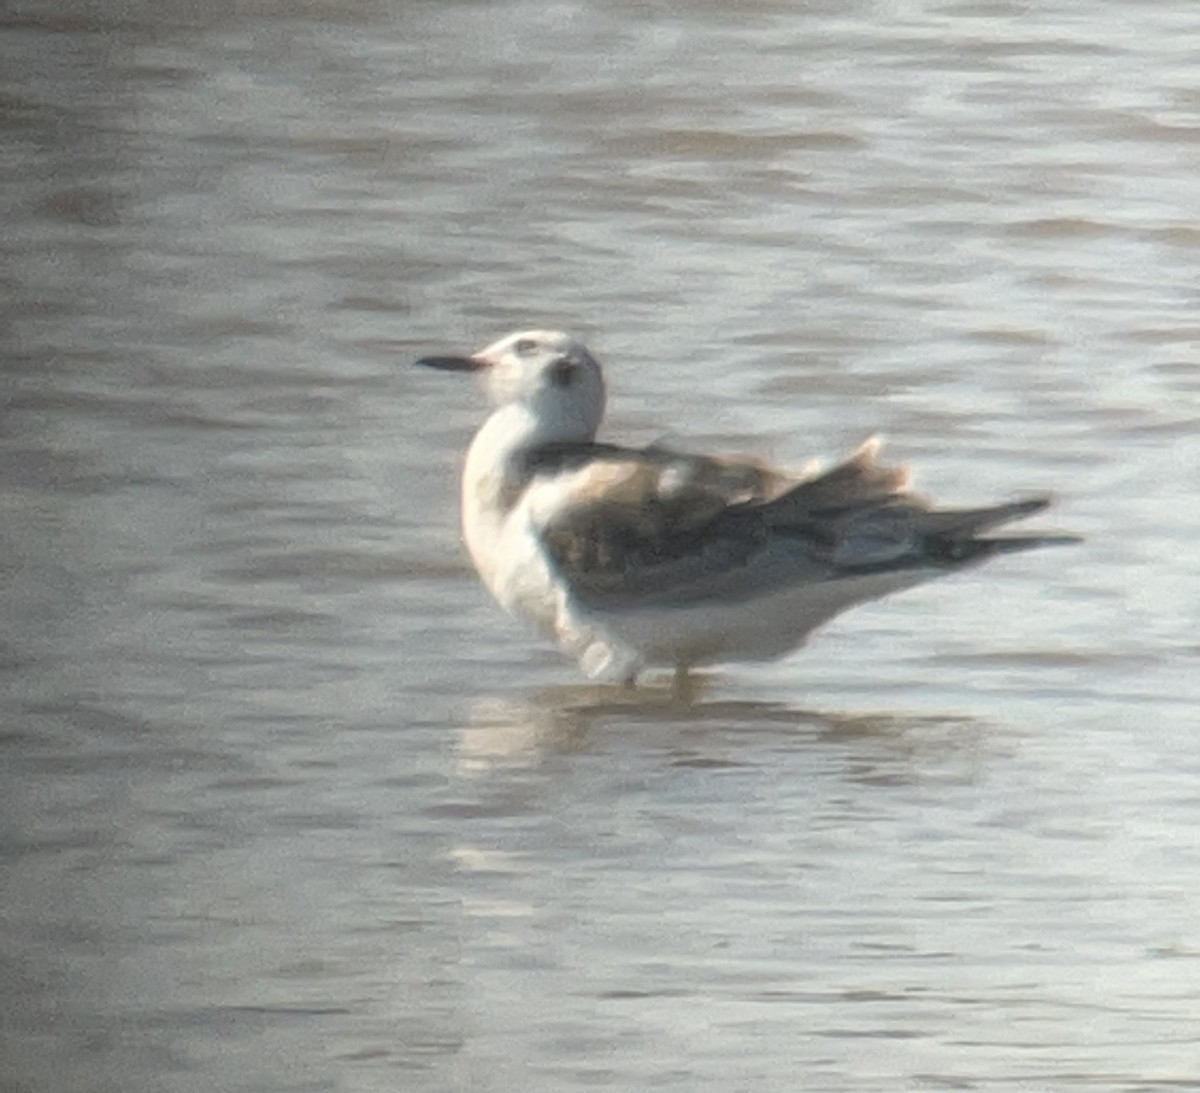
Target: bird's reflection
[[523, 731]]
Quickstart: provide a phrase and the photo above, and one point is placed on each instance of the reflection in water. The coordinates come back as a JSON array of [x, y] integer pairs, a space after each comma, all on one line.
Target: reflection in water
[[507, 732]]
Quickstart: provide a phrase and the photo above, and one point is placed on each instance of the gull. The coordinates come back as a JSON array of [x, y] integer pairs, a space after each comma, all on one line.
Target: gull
[[630, 558]]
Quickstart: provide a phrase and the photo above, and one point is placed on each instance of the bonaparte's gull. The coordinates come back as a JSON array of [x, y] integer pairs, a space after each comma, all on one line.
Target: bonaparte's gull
[[630, 558]]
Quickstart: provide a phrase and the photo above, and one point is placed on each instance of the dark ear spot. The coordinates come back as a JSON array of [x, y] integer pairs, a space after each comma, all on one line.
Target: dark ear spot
[[562, 373]]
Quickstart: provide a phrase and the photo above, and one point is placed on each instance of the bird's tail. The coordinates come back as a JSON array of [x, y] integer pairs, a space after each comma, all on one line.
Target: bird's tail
[[864, 516]]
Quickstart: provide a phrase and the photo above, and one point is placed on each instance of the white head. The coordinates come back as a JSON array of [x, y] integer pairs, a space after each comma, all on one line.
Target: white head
[[548, 374]]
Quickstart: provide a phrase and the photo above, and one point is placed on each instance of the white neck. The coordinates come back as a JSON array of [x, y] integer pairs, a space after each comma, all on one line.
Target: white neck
[[491, 475], [508, 432]]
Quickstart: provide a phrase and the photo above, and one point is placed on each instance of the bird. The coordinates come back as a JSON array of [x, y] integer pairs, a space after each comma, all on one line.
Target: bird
[[639, 558]]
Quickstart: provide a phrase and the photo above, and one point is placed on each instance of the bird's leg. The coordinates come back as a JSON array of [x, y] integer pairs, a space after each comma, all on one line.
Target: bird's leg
[[683, 687]]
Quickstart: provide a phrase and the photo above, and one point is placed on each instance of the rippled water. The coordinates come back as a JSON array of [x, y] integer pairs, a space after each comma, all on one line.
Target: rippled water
[[288, 805]]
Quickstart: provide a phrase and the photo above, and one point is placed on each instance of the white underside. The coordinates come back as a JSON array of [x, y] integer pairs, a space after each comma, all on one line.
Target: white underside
[[763, 628]]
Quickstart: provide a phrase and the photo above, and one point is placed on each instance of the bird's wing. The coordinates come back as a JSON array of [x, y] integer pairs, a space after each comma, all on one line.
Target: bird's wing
[[630, 528]]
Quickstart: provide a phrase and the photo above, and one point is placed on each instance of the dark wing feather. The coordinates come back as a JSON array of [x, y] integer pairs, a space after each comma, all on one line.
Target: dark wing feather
[[662, 527], [650, 519]]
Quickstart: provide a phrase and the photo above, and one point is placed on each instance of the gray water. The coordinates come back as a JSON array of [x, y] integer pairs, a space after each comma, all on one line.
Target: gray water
[[288, 805]]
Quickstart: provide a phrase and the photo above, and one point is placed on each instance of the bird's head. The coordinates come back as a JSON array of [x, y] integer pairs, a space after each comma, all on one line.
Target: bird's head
[[549, 374]]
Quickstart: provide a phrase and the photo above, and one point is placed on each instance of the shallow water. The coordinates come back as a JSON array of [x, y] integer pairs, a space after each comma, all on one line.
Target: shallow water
[[288, 805]]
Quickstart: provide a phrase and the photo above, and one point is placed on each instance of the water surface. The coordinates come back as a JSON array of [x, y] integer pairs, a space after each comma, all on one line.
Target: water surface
[[287, 804]]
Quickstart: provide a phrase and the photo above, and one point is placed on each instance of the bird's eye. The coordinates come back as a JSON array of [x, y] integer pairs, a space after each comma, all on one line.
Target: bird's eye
[[525, 345], [562, 373]]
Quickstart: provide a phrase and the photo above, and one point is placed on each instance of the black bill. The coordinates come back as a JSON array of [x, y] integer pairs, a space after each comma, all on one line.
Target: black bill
[[452, 364]]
